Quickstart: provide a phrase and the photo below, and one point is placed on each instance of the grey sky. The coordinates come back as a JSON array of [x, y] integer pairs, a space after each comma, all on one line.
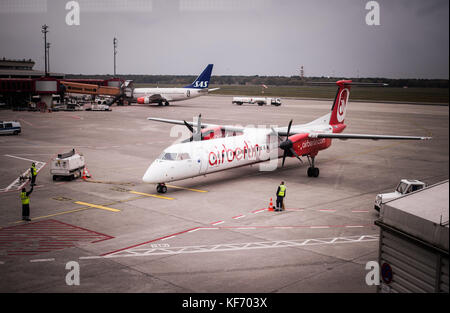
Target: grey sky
[[241, 37]]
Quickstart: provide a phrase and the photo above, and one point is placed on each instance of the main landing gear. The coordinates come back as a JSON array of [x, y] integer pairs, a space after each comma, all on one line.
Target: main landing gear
[[312, 171], [161, 188]]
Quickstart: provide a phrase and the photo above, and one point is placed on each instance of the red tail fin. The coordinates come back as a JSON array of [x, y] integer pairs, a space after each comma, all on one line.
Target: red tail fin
[[340, 102]]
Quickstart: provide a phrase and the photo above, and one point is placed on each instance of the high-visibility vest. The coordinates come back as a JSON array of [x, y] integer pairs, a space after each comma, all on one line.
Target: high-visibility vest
[[282, 190], [33, 171], [25, 199]]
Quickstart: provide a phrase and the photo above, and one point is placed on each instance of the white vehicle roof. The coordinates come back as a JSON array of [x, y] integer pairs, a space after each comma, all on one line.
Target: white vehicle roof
[[412, 181]]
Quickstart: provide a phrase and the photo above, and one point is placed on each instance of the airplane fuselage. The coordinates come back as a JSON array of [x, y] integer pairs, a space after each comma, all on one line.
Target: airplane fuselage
[[170, 94], [254, 145]]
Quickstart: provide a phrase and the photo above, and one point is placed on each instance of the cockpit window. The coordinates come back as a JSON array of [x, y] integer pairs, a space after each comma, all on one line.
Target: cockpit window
[[183, 156], [168, 156]]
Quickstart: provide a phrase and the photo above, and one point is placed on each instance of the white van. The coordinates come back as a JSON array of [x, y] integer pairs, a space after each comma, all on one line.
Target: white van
[[10, 127]]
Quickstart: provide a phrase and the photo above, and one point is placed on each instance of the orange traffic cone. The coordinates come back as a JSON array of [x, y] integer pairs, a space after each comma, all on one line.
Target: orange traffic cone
[[84, 174], [271, 205], [88, 174]]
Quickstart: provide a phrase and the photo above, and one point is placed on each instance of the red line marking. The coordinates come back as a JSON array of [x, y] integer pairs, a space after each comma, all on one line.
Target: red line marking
[[143, 243]]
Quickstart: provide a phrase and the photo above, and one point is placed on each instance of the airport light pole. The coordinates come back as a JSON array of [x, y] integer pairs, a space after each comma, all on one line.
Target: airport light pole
[[45, 31], [48, 57], [115, 53]]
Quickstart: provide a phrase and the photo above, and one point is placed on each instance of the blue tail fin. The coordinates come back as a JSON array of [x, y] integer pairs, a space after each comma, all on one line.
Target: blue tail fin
[[202, 81]]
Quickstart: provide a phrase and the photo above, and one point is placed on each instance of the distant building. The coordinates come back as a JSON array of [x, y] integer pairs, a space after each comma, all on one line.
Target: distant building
[[22, 69]]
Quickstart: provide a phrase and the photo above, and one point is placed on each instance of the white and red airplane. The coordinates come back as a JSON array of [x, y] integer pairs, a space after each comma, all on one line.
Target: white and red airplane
[[214, 148], [199, 87]]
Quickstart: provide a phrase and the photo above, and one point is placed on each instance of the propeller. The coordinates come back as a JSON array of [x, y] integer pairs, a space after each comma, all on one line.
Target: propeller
[[197, 135], [287, 145]]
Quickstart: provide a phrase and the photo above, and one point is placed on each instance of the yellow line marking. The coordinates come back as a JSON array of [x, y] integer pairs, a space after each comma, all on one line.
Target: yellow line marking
[[60, 213], [177, 187], [97, 206], [150, 195]]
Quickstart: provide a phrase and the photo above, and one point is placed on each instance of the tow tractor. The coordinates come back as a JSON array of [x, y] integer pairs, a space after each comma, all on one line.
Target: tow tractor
[[68, 165]]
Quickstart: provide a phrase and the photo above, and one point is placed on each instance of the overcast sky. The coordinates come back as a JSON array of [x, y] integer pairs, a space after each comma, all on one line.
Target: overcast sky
[[241, 37]]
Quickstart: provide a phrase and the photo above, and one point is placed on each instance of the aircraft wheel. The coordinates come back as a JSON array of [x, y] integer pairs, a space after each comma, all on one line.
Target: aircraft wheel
[[166, 103], [315, 172], [161, 189], [310, 172]]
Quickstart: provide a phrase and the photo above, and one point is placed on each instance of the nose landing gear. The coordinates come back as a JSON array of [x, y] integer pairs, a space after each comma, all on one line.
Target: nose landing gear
[[161, 188]]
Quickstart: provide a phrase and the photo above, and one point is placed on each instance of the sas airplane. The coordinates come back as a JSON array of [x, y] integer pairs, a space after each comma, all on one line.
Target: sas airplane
[[199, 87], [214, 148]]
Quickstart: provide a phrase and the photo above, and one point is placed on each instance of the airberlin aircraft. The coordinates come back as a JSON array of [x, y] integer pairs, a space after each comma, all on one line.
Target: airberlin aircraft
[[199, 87], [214, 148]]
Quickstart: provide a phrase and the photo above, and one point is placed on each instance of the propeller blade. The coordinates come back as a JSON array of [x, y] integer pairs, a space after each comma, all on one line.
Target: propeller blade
[[189, 126], [296, 155], [199, 124], [284, 158], [289, 129], [276, 133]]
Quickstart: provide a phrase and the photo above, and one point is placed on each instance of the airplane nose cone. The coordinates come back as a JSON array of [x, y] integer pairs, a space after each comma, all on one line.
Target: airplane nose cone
[[152, 175]]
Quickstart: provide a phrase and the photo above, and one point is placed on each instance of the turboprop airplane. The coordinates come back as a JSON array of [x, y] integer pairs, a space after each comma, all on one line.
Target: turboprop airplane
[[214, 148], [199, 87]]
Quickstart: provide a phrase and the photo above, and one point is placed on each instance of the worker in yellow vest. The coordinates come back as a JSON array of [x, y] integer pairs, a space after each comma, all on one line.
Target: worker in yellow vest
[[281, 193], [25, 197], [33, 172]]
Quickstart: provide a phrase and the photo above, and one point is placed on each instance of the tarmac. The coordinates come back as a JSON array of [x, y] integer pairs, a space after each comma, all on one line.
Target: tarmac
[[211, 233]]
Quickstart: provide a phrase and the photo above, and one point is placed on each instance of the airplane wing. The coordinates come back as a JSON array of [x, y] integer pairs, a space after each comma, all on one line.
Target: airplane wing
[[310, 135], [213, 89], [365, 136]]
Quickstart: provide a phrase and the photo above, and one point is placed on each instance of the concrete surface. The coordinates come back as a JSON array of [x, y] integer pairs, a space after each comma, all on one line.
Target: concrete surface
[[221, 240]]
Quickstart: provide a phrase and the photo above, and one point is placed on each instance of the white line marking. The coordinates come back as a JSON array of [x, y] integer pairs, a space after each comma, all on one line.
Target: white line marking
[[140, 252], [349, 226], [217, 223], [238, 217], [89, 257], [319, 226], [260, 211], [191, 231], [42, 260], [246, 228], [12, 156], [283, 227], [168, 238], [326, 210], [360, 211]]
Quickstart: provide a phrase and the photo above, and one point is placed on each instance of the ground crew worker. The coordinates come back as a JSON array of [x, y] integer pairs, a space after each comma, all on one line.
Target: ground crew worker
[[25, 197], [33, 174], [281, 193]]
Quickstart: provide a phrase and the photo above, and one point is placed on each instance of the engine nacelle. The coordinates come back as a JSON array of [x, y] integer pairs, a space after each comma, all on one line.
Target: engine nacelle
[[143, 100]]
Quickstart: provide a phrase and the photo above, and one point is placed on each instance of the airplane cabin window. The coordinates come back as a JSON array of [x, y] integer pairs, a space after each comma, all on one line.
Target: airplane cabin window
[[169, 156]]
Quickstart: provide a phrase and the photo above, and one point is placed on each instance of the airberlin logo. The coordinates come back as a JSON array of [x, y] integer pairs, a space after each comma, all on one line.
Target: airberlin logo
[[229, 155], [310, 143], [342, 104]]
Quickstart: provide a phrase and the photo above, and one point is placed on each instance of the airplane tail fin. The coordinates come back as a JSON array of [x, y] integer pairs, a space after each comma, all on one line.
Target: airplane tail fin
[[339, 107], [202, 81]]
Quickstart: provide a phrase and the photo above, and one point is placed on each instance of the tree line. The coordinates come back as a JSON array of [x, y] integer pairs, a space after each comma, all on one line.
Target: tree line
[[179, 80]]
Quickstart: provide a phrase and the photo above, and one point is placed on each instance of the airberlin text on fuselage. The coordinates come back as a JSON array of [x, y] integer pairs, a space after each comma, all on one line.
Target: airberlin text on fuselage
[[311, 143], [223, 154]]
